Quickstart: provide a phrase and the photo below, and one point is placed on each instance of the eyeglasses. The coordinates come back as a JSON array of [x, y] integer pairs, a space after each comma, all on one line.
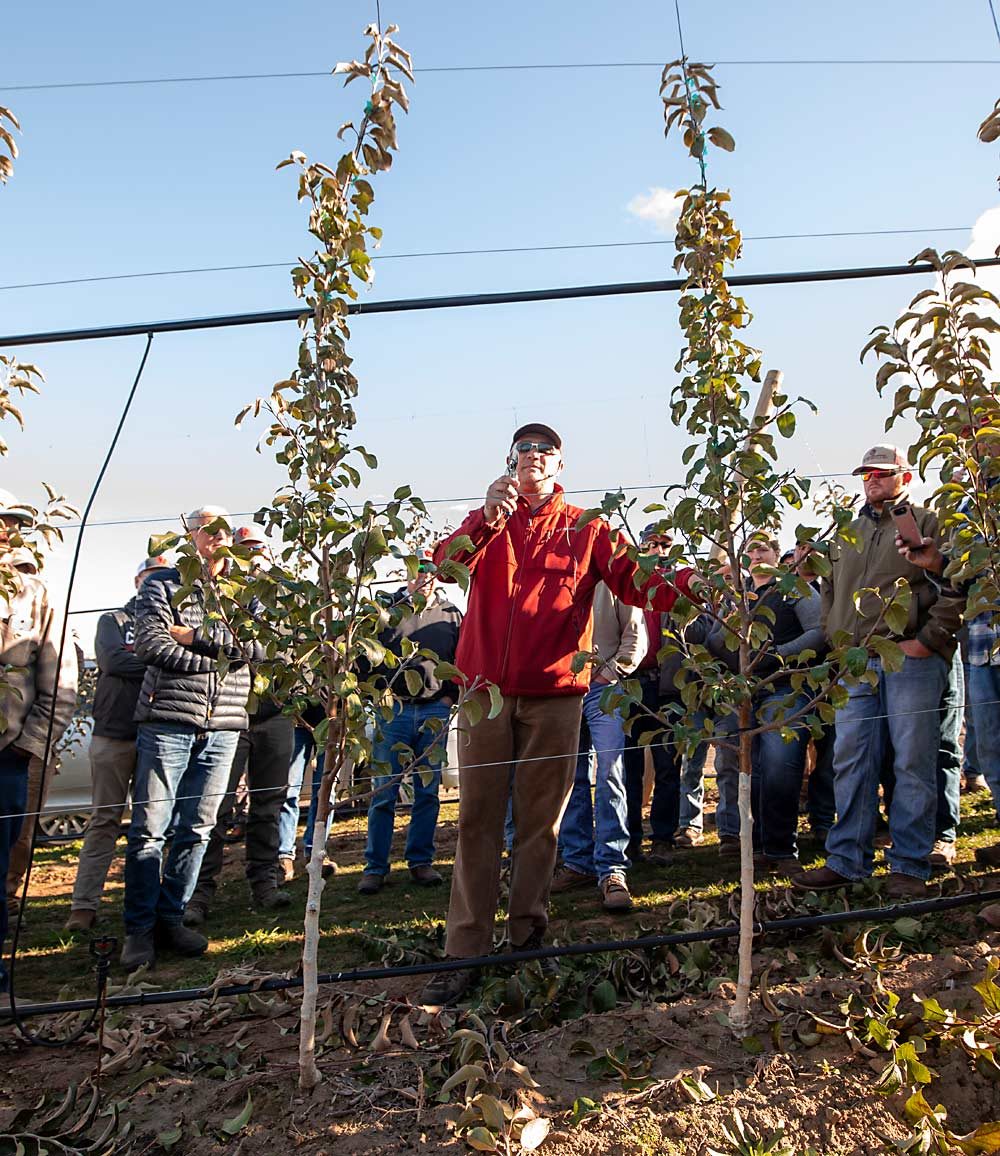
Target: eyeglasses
[[659, 543], [542, 447], [878, 474]]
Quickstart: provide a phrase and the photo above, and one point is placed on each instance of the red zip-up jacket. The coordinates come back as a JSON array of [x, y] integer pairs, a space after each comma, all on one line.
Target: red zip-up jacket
[[532, 586]]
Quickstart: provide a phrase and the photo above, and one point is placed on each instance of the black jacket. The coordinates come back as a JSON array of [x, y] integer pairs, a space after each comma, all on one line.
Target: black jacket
[[435, 627], [119, 674], [182, 683]]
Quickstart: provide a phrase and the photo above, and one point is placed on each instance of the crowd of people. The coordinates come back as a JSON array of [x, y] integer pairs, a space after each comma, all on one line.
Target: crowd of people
[[557, 776]]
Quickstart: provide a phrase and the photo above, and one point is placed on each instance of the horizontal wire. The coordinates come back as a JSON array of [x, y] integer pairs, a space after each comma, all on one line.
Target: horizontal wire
[[719, 736], [474, 253], [461, 68]]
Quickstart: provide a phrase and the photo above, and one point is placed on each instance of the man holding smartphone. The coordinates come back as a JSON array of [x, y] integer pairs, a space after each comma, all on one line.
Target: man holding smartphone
[[533, 574], [900, 714]]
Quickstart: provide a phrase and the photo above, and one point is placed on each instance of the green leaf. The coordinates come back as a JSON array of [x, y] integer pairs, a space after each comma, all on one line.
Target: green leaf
[[481, 1139], [908, 928], [496, 701], [167, 1140], [856, 660], [491, 1110], [721, 139], [986, 1138], [413, 680], [237, 1123], [786, 423], [604, 997], [468, 1073]]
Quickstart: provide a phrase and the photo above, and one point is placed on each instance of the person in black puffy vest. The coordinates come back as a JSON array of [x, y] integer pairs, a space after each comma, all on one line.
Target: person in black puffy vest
[[190, 716]]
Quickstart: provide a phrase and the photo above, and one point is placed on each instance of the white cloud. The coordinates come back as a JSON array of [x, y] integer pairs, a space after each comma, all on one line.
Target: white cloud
[[659, 206], [985, 234]]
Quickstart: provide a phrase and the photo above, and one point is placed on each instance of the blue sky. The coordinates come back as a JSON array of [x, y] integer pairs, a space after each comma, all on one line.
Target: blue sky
[[132, 179]]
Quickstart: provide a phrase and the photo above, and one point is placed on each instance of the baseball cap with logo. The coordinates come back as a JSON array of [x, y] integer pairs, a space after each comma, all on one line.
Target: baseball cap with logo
[[157, 563], [653, 531], [882, 457], [250, 536]]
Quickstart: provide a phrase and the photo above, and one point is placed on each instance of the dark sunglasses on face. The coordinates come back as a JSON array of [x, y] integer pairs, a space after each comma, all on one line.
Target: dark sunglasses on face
[[542, 447], [878, 474]]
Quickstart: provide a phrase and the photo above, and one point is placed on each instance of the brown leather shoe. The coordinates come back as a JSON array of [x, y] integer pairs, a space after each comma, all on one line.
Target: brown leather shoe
[[425, 876], [446, 987], [80, 919], [689, 837], [566, 879], [615, 894], [905, 887], [729, 846], [286, 869], [661, 854], [820, 879], [777, 864]]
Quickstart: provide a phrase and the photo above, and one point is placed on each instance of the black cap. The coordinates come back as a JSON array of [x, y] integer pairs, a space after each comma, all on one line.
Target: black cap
[[539, 430]]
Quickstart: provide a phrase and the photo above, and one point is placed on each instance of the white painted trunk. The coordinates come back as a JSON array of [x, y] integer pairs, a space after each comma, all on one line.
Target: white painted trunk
[[309, 1074], [740, 1017]]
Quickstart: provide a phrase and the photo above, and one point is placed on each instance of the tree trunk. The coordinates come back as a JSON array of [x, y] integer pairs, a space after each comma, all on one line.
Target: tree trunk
[[309, 1073], [740, 1016]]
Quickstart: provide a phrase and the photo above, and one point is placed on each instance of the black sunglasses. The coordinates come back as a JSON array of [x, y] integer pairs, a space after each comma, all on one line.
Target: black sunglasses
[[527, 447]]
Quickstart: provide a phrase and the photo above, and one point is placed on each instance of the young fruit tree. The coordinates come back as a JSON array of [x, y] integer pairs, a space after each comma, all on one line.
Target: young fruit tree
[[733, 685], [313, 607]]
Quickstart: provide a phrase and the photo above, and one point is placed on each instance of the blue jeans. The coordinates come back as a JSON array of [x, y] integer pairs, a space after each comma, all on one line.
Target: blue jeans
[[902, 711], [970, 760], [820, 801], [776, 779], [176, 767], [664, 807], [406, 726], [983, 691], [693, 789], [594, 831], [13, 804], [727, 777], [288, 821]]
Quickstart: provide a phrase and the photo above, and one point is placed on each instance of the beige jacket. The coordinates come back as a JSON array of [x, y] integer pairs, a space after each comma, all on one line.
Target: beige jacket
[[619, 635], [934, 617], [31, 678]]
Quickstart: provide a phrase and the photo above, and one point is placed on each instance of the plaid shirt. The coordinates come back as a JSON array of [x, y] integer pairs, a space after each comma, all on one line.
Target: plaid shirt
[[984, 641]]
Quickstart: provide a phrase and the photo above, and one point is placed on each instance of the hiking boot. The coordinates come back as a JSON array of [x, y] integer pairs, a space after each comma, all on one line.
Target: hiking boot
[[615, 895], [905, 887], [139, 950], [988, 856], [286, 869], [268, 897], [534, 942], [196, 912], [180, 939], [371, 883], [820, 879], [424, 875], [567, 879], [689, 837], [943, 854], [80, 919], [777, 864], [447, 987], [974, 784], [661, 853], [729, 846]]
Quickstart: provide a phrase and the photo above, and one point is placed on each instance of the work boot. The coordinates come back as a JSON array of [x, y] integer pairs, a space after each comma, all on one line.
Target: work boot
[[80, 919], [447, 987], [534, 942], [943, 854], [729, 846], [988, 856], [196, 912], [905, 887], [689, 837], [371, 883], [634, 850], [139, 950], [180, 939], [266, 896], [820, 879], [424, 875], [568, 879], [776, 864], [615, 895], [661, 853]]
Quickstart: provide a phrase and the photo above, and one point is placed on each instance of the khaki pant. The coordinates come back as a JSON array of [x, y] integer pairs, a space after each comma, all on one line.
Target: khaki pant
[[112, 765], [20, 853], [538, 739]]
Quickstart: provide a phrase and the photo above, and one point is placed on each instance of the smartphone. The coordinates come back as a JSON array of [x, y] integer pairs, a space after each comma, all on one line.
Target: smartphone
[[906, 525]]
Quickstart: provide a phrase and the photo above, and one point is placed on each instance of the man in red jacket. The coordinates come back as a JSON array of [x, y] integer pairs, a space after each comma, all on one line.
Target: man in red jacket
[[533, 575]]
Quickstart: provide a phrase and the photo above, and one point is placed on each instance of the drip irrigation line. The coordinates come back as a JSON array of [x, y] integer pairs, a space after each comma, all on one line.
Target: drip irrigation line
[[15, 938], [466, 300], [446, 69], [723, 736], [641, 943], [477, 253]]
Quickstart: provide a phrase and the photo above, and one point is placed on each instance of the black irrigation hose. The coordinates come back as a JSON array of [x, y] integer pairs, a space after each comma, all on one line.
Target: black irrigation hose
[[457, 301], [730, 931]]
